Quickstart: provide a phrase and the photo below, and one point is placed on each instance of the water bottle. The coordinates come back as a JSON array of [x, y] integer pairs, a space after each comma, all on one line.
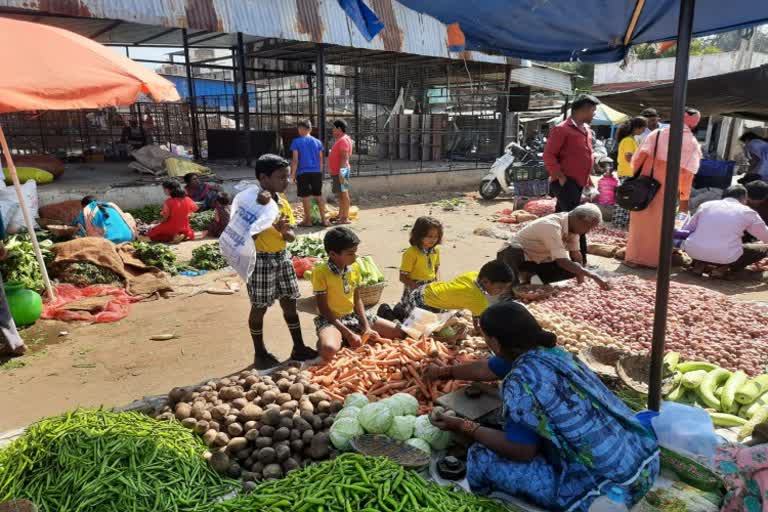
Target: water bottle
[[611, 501]]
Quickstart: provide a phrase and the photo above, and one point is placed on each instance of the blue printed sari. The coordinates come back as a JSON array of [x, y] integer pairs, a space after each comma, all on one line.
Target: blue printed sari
[[590, 440]]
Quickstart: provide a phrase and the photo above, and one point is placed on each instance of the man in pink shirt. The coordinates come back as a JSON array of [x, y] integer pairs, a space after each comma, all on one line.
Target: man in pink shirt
[[717, 228], [338, 167]]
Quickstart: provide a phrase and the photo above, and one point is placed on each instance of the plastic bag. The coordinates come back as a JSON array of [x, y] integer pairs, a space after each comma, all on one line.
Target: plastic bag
[[248, 219], [9, 202], [115, 309], [686, 430], [314, 213], [423, 323], [301, 265], [28, 173]]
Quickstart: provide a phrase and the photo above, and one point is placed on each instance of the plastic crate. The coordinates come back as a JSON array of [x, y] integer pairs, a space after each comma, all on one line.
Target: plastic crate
[[715, 174], [531, 188], [527, 173]]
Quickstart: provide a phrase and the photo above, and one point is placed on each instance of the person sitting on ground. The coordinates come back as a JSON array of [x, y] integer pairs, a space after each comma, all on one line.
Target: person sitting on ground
[[549, 247], [307, 171], [565, 438], [203, 194], [274, 278], [221, 212], [11, 343], [174, 217], [343, 318], [134, 135], [474, 291], [756, 153], [105, 220], [716, 230], [339, 169], [757, 198]]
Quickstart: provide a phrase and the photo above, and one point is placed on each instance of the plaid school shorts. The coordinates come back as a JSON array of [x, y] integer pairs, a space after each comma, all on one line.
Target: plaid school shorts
[[351, 322], [273, 279], [620, 215]]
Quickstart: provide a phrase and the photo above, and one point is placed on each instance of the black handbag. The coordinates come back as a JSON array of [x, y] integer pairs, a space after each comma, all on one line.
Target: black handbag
[[637, 192]]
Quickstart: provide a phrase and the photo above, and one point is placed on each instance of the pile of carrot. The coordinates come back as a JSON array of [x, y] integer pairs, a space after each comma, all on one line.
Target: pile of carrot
[[387, 367]]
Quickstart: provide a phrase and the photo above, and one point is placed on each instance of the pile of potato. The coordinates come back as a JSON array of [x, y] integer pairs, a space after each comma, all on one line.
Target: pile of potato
[[257, 426], [572, 335]]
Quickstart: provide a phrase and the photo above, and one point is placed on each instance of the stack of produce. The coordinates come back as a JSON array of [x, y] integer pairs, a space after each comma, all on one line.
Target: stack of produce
[[201, 220], [306, 246], [20, 265], [608, 236], [156, 255], [381, 370], [95, 460], [540, 207], [369, 272], [395, 417], [208, 257], [702, 325], [354, 482], [731, 398], [572, 335], [258, 426]]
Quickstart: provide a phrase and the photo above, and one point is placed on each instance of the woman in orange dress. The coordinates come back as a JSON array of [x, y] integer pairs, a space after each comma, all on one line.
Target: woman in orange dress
[[645, 226]]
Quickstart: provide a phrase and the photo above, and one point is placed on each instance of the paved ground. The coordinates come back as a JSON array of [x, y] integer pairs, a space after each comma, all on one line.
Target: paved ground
[[113, 364]]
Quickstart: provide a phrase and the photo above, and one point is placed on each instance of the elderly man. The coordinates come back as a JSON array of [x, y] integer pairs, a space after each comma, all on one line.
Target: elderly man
[[715, 243], [549, 247]]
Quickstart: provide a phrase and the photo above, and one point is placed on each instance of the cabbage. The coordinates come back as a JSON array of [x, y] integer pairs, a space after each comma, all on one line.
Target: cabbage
[[348, 412], [342, 431], [394, 406], [356, 399], [425, 430], [402, 428], [375, 418], [420, 444], [409, 405]]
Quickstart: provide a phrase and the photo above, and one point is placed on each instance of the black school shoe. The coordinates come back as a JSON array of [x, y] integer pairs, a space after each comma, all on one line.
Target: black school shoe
[[385, 312]]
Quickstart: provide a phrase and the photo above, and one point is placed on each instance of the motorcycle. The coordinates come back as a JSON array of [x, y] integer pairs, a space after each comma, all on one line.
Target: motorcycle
[[501, 175]]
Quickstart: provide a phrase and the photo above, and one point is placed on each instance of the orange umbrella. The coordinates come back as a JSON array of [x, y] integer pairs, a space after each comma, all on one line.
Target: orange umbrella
[[48, 68]]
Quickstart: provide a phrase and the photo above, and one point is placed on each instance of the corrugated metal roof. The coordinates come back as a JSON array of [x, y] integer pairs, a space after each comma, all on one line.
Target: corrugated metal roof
[[542, 77], [319, 21]]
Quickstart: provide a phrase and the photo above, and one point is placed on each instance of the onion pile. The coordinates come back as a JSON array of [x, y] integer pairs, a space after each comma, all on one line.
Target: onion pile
[[540, 207], [702, 324], [608, 236]]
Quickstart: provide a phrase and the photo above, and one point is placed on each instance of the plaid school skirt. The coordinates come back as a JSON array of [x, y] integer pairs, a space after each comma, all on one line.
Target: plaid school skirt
[[273, 279], [350, 321], [407, 291], [416, 300]]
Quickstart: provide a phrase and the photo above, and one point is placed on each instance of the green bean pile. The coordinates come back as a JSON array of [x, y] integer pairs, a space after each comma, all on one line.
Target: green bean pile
[[355, 483], [101, 461]]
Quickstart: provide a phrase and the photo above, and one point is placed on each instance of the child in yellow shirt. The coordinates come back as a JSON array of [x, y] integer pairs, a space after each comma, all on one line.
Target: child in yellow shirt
[[421, 261], [343, 318], [474, 291], [273, 278]]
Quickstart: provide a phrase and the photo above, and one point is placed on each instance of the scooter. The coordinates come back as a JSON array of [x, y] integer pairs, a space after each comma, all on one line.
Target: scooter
[[499, 178]]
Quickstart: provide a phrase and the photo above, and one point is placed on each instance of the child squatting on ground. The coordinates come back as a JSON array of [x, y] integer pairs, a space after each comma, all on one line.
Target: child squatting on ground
[[343, 318], [273, 277]]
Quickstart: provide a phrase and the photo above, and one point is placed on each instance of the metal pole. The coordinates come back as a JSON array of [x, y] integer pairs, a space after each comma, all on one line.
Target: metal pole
[[191, 96], [504, 111], [684, 29], [321, 93], [236, 105], [244, 97]]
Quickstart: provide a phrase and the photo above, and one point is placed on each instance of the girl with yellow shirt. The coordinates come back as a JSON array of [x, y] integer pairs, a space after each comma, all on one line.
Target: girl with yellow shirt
[[628, 144], [421, 260], [273, 278]]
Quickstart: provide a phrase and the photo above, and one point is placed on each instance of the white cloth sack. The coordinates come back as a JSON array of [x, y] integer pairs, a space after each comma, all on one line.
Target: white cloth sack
[[11, 210], [248, 218]]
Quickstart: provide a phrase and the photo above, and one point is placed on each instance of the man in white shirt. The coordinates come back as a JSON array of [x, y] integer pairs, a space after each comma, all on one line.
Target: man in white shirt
[[717, 228]]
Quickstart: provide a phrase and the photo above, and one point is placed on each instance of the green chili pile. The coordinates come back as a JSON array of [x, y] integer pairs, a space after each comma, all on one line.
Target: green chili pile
[[355, 483], [101, 461]]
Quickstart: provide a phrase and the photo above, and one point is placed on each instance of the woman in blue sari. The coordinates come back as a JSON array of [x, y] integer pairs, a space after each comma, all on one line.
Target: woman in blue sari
[[105, 220], [566, 438]]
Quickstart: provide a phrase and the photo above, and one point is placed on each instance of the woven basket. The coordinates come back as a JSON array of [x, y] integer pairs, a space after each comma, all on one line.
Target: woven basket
[[371, 295], [534, 292], [634, 372], [602, 360], [377, 445]]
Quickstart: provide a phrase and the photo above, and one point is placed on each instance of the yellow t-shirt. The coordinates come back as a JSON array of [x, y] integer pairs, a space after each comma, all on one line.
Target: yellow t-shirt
[[415, 264], [459, 293], [270, 240], [325, 282], [627, 145]]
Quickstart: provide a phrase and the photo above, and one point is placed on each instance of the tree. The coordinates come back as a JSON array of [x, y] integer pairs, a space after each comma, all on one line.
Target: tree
[[701, 46], [585, 74]]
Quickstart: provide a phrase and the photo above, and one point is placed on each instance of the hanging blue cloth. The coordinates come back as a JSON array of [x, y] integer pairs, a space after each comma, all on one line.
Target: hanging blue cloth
[[363, 17]]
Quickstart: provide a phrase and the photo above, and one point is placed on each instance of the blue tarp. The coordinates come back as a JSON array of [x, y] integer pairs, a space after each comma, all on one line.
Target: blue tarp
[[217, 93], [586, 30]]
